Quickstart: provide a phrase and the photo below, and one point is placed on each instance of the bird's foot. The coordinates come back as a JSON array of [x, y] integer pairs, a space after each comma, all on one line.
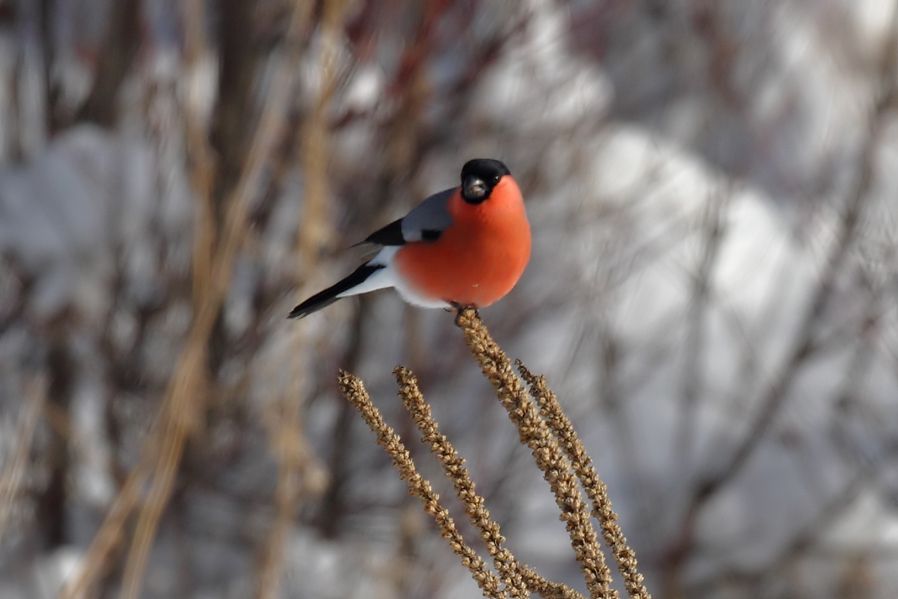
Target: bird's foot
[[460, 308]]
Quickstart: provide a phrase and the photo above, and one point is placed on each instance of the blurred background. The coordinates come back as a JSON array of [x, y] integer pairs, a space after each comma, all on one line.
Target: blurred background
[[713, 190]]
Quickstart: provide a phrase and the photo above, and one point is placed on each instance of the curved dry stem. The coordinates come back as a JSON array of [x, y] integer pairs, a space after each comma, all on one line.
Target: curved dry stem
[[535, 433], [553, 590], [354, 390], [595, 488]]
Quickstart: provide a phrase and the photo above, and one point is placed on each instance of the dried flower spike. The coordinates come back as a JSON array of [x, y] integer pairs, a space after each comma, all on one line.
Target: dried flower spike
[[535, 433], [595, 488], [354, 390], [518, 579]]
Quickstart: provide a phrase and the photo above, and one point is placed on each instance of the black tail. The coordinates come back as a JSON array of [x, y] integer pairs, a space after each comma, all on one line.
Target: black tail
[[329, 295]]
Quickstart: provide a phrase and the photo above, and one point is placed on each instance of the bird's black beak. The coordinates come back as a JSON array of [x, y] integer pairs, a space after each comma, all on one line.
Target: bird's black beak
[[474, 189]]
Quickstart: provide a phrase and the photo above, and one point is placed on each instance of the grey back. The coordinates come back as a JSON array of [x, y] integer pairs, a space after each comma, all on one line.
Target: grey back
[[431, 215]]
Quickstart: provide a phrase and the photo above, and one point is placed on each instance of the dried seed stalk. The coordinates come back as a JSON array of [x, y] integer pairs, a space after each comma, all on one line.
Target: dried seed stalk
[[595, 488], [354, 391], [535, 433], [518, 579]]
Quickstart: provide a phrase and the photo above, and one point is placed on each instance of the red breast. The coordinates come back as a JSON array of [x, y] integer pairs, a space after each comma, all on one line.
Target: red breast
[[480, 257]]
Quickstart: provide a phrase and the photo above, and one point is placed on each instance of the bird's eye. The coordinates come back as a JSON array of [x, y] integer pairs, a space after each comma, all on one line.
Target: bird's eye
[[496, 178]]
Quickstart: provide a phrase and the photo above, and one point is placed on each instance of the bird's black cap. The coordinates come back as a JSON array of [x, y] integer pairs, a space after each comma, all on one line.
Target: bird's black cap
[[479, 176], [484, 168]]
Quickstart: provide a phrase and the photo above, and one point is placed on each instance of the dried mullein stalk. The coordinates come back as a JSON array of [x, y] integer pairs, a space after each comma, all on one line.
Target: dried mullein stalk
[[354, 391], [519, 580], [557, 451], [596, 490], [550, 459], [547, 588]]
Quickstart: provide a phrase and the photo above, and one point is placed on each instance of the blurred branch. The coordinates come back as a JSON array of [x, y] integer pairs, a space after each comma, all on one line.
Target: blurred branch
[[61, 377], [809, 534], [199, 153], [289, 443], [184, 402], [123, 37], [14, 470], [804, 344], [714, 216]]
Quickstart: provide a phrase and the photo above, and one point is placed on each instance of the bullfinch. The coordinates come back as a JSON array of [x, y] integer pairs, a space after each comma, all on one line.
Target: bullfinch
[[464, 246]]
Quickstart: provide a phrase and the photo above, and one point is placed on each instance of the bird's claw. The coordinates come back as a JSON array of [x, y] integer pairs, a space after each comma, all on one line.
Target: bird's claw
[[460, 308]]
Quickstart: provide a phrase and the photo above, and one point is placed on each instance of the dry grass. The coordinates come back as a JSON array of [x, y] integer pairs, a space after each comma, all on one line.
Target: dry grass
[[557, 451]]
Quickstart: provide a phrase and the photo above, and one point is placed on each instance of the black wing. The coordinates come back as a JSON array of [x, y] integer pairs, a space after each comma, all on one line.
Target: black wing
[[389, 235], [425, 223], [330, 295]]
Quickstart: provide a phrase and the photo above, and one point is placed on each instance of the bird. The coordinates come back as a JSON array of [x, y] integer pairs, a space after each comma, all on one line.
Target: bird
[[463, 247]]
